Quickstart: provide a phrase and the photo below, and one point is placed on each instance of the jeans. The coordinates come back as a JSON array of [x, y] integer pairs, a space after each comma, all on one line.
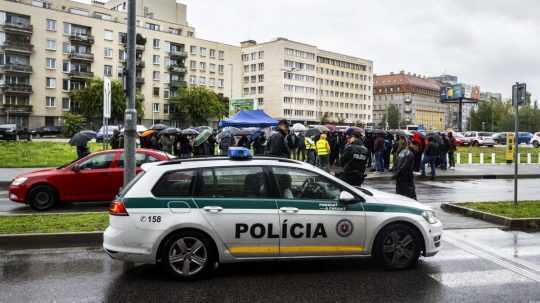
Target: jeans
[[444, 161], [311, 157], [379, 161], [451, 159], [323, 162], [432, 162]]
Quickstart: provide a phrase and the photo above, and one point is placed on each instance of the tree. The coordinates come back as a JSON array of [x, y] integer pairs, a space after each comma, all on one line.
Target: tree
[[498, 116], [196, 104], [72, 124], [88, 101], [394, 117]]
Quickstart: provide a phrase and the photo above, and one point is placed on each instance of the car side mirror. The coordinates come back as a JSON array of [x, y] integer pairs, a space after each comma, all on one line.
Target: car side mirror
[[76, 168], [346, 197]]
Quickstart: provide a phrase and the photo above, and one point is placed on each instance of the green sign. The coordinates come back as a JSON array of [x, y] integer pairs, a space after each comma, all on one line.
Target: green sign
[[236, 105]]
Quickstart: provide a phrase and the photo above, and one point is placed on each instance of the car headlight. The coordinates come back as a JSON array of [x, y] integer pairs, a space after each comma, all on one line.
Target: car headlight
[[430, 217], [19, 181]]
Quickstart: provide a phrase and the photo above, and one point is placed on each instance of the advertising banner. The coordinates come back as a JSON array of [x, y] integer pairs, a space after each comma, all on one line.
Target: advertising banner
[[236, 105]]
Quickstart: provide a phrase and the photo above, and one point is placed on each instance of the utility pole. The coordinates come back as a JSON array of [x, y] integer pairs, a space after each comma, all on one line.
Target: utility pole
[[131, 111], [519, 94]]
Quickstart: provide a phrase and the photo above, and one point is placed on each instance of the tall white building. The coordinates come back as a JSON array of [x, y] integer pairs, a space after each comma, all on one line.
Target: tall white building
[[301, 83]]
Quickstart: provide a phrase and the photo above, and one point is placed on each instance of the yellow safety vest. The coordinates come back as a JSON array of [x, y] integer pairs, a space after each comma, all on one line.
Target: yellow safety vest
[[308, 144], [323, 148]]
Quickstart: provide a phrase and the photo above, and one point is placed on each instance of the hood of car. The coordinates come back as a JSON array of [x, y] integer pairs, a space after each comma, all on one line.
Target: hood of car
[[382, 197], [39, 173]]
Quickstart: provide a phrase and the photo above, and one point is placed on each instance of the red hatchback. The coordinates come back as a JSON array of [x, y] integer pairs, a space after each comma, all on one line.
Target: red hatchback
[[96, 177]]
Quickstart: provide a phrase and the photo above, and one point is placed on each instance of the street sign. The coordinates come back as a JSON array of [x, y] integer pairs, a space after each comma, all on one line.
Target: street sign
[[106, 98], [519, 93]]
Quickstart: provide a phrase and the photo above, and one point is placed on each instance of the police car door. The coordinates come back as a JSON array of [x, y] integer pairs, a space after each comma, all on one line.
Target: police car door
[[313, 221], [237, 204]]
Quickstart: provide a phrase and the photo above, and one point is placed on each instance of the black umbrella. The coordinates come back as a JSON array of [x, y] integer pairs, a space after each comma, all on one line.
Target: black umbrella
[[313, 132], [82, 137], [190, 132], [159, 126], [169, 131], [378, 132]]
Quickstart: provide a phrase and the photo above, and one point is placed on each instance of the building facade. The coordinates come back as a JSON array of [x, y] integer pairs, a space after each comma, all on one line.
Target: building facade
[[49, 48], [416, 97], [301, 83]]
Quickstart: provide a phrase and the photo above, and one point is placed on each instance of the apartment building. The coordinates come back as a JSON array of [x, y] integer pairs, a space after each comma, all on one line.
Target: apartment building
[[417, 98], [301, 83], [48, 48]]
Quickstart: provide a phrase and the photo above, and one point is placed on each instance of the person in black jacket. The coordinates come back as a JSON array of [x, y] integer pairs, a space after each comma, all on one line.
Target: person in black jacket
[[277, 144], [353, 160], [403, 171], [259, 145], [431, 154]]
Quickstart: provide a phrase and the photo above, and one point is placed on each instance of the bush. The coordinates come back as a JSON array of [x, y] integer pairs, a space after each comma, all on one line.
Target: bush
[[73, 123]]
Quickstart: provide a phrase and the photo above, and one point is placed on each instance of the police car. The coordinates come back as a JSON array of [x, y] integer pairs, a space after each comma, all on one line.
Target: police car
[[190, 215]]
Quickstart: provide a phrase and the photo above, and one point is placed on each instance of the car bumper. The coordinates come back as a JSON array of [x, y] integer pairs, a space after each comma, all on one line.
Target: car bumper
[[123, 244], [17, 194], [434, 238]]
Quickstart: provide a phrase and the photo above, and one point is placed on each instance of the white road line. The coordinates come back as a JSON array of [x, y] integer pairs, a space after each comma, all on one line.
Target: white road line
[[479, 278]]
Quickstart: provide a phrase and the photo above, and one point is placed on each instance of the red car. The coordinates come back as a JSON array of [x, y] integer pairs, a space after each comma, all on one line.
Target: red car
[[96, 177]]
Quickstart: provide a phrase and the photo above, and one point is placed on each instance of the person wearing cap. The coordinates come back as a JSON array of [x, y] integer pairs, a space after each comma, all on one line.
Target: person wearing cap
[[354, 159], [277, 144], [323, 152]]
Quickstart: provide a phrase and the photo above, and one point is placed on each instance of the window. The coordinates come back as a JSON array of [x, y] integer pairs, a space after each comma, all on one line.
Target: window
[[51, 82], [108, 52], [155, 59], [66, 47], [212, 53], [175, 184], [155, 91], [155, 76], [221, 68], [51, 63], [155, 107], [304, 185], [212, 68], [193, 50], [193, 64], [66, 104], [166, 94], [202, 66], [51, 25], [234, 182], [155, 43], [261, 54], [140, 159], [100, 161], [151, 26], [221, 82], [49, 102], [107, 70], [202, 80], [108, 35], [51, 44], [221, 55], [261, 66], [203, 52]]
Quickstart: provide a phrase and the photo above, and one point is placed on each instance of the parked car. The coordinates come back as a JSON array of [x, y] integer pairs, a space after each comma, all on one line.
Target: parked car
[[96, 177], [524, 138], [460, 139], [475, 138], [46, 131], [14, 132], [101, 133], [535, 140]]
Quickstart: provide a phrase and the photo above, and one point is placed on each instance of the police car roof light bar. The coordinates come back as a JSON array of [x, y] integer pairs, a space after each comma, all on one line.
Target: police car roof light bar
[[239, 153]]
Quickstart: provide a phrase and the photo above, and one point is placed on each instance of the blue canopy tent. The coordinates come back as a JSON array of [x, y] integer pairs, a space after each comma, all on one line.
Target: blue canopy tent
[[249, 118]]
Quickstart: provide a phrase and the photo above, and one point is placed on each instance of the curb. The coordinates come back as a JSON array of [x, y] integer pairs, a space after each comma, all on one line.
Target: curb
[[457, 177], [518, 223], [53, 240]]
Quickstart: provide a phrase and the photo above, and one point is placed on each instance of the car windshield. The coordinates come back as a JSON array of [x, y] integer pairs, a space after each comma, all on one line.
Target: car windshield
[[67, 164]]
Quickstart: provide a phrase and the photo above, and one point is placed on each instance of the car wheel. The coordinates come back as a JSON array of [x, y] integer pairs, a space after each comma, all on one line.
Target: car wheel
[[188, 255], [398, 247], [42, 197], [536, 144], [475, 143]]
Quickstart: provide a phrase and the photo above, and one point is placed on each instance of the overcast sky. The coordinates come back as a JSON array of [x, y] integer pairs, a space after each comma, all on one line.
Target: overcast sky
[[489, 43]]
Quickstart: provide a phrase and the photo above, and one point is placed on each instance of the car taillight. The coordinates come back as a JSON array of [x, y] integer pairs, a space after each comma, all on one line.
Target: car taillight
[[117, 208]]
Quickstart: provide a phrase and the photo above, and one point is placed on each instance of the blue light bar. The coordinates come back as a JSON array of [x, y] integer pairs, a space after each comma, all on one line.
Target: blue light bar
[[239, 153]]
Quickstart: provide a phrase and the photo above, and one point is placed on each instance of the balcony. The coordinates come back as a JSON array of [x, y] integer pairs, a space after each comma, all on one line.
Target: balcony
[[19, 89], [16, 108], [16, 68], [81, 75], [18, 47], [139, 81], [177, 69], [18, 28], [176, 54], [408, 100], [88, 39], [139, 47], [407, 109], [81, 56], [178, 83]]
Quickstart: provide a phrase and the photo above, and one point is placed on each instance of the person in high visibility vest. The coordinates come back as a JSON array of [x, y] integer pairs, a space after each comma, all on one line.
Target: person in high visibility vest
[[310, 151], [323, 152]]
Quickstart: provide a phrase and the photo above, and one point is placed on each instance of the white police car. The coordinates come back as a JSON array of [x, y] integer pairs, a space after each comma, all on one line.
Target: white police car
[[191, 215]]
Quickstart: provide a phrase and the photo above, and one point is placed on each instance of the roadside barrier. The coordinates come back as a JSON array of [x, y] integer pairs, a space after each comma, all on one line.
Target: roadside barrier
[[491, 158]]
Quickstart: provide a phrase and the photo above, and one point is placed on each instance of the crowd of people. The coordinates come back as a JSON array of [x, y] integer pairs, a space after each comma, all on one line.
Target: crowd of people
[[348, 154]]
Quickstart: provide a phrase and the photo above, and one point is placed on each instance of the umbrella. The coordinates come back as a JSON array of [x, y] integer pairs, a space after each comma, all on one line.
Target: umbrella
[[169, 131], [201, 128], [313, 132], [190, 132], [298, 127], [322, 129], [82, 137], [148, 133], [352, 130], [159, 126], [247, 131], [330, 127], [202, 137], [256, 135]]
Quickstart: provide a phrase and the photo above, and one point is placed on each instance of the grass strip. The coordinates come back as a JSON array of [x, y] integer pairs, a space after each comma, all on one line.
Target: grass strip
[[38, 154], [22, 224], [524, 209]]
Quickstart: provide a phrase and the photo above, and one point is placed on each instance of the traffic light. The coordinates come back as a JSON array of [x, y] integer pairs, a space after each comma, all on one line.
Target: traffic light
[[519, 93]]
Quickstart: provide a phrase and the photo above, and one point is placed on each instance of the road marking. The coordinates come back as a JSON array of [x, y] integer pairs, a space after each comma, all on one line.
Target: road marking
[[479, 278], [521, 267]]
